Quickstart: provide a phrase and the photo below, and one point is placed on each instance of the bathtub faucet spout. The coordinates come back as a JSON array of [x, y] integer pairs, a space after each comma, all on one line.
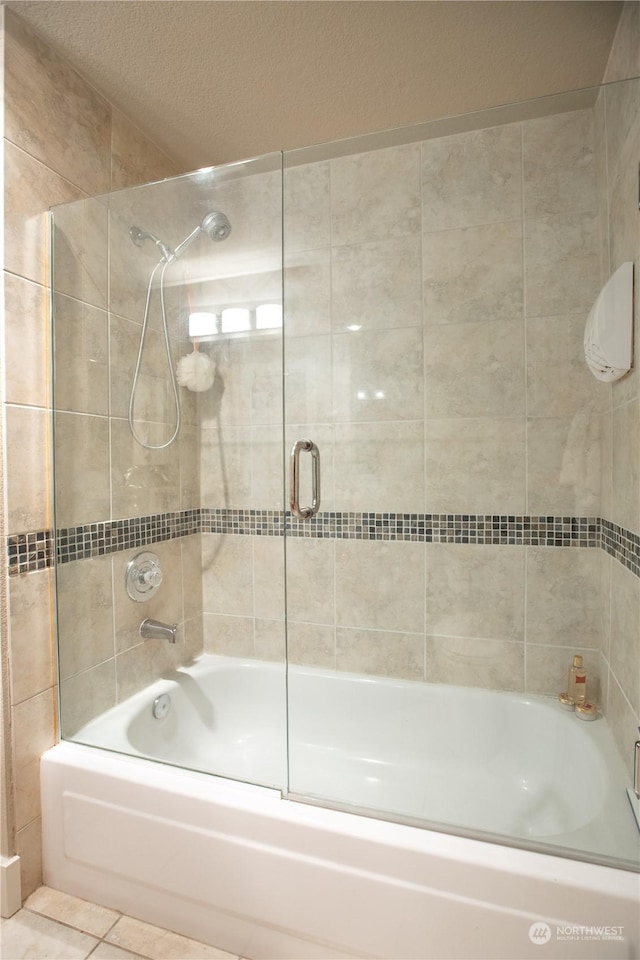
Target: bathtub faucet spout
[[155, 630]]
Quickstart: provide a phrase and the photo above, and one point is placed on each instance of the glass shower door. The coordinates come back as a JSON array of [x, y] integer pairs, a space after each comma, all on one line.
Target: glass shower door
[[354, 389], [168, 493]]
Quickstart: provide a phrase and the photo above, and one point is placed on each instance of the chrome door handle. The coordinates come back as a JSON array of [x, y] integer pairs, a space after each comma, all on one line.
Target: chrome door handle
[[304, 513]]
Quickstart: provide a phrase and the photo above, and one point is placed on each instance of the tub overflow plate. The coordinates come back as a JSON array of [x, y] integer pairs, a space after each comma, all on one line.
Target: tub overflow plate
[[161, 706]]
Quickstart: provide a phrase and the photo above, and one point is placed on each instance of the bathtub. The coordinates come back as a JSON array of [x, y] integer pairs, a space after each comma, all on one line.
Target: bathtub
[[238, 866]]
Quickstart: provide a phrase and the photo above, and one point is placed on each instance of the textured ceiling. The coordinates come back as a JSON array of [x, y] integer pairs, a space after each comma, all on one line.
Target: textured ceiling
[[216, 81]]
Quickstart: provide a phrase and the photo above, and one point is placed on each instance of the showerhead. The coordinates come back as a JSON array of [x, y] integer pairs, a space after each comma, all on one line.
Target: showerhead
[[217, 225]]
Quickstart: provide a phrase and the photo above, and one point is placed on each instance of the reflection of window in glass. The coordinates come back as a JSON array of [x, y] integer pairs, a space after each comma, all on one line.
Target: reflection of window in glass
[[203, 324], [268, 316], [236, 319]]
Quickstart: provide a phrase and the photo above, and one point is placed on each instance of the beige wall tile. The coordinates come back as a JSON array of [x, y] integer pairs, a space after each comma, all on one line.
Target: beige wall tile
[[80, 250], [33, 733], [623, 211], [268, 576], [559, 383], [606, 464], [379, 585], [626, 466], [377, 285], [310, 580], [306, 207], [307, 292], [84, 916], [307, 371], [225, 466], [266, 384], [311, 644], [563, 596], [32, 635], [26, 333], [606, 563], [380, 653], [491, 664], [230, 636], [475, 591], [138, 667], [189, 453], [559, 164], [227, 574], [625, 632], [623, 124], [53, 113], [475, 370], [600, 133], [475, 466], [143, 481], [267, 481], [81, 357], [85, 614], [269, 640], [473, 274], [561, 263], [623, 722], [81, 448], [380, 466], [624, 59], [378, 375], [154, 396], [191, 549], [376, 195], [563, 464], [29, 849], [193, 634], [30, 188], [134, 158], [472, 178], [28, 469], [85, 696], [548, 666]]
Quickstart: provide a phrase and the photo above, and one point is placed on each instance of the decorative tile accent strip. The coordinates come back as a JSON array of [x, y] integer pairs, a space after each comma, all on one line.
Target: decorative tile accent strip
[[622, 544], [27, 552], [35, 551]]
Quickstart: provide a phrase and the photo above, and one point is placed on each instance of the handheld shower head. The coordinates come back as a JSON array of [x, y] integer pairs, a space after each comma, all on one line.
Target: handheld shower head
[[216, 225]]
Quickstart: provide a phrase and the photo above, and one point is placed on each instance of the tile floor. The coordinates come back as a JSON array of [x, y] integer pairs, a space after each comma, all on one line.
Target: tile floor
[[56, 926]]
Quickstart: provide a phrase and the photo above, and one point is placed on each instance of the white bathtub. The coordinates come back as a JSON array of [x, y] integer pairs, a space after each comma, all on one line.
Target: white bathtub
[[242, 868]]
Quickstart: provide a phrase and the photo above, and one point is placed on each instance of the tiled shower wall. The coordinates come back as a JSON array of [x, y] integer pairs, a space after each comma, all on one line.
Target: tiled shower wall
[[439, 292], [435, 297], [63, 142], [617, 115]]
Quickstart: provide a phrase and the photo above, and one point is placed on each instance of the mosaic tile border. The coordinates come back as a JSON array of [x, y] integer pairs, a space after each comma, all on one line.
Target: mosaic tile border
[[621, 544], [28, 552]]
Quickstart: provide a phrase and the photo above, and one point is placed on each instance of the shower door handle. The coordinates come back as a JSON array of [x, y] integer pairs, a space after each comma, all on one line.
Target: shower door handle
[[304, 513]]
